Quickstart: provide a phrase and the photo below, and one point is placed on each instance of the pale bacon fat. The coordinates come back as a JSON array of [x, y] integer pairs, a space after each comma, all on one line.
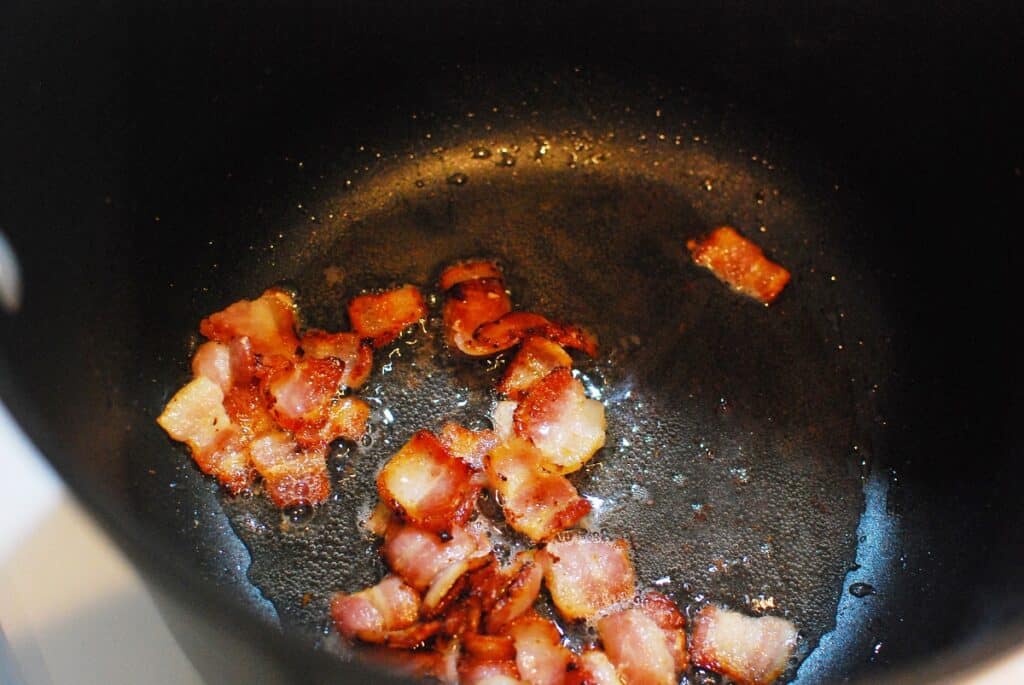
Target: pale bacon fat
[[468, 271], [213, 360], [419, 556], [291, 475], [565, 425], [196, 416], [666, 614], [482, 672], [739, 263], [383, 317], [355, 352], [540, 656], [510, 329], [370, 614], [468, 445], [587, 576], [636, 646], [594, 668], [536, 358], [469, 305], [751, 651], [426, 485], [268, 322], [503, 420], [536, 503]]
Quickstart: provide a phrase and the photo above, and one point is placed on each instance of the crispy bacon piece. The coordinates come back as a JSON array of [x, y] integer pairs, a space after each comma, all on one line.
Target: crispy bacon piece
[[426, 485], [468, 445], [469, 305], [371, 614], [268, 322], [540, 656], [665, 613], [636, 645], [751, 651], [302, 390], [468, 271], [291, 476], [594, 668], [587, 576], [355, 352], [519, 595], [196, 416], [419, 556], [247, 407], [510, 329], [535, 359], [739, 263], [383, 317], [536, 503], [565, 425]]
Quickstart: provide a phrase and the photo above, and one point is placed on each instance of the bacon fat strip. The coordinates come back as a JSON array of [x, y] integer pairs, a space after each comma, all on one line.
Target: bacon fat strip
[[636, 646], [382, 317], [536, 503], [370, 614], [468, 305], [751, 651], [739, 263], [268, 322], [536, 358], [565, 425], [418, 556], [468, 271], [291, 475], [428, 486], [587, 576], [512, 328]]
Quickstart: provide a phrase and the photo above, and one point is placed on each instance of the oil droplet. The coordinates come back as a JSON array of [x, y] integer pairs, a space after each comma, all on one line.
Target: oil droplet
[[420, 183], [759, 197], [861, 590], [457, 179], [505, 158], [708, 184], [481, 153]]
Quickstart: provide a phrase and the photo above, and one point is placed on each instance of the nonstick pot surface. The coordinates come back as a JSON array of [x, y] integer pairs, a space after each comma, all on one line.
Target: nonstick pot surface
[[209, 163]]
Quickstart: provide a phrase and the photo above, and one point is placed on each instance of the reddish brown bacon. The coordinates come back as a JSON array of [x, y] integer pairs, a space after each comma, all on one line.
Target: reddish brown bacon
[[353, 351], [268, 322], [291, 475], [371, 614], [739, 263], [469, 305], [540, 656], [535, 359], [512, 328], [587, 576], [383, 317], [751, 651], [468, 271]]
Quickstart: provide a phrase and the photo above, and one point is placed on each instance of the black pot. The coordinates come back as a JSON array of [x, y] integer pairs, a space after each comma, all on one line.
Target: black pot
[[159, 163]]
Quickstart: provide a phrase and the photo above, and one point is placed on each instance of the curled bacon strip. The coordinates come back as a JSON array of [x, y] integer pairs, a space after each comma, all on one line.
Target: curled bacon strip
[[536, 503], [383, 317], [468, 271], [469, 305], [510, 329], [426, 485], [587, 576], [268, 322], [371, 614], [751, 651], [535, 359], [739, 263]]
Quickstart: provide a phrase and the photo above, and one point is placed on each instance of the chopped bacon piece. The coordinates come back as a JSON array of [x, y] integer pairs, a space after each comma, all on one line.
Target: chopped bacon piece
[[536, 503], [419, 556], [636, 645], [247, 407], [510, 329], [302, 390], [482, 672], [383, 317], [269, 323], [666, 614], [196, 416], [535, 359], [540, 656], [346, 419], [468, 306], [371, 614], [213, 360], [519, 595], [594, 668], [291, 476], [587, 576], [468, 271], [739, 263], [503, 420], [751, 651], [468, 445], [489, 647], [350, 348], [565, 425], [426, 485]]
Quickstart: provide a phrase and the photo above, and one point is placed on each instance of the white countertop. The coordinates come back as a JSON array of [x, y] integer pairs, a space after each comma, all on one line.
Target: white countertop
[[74, 612]]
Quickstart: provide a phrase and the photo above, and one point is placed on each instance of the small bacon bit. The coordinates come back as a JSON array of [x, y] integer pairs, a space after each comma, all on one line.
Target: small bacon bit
[[246, 406], [213, 360], [477, 672], [468, 271], [739, 263], [370, 614], [751, 651], [489, 647], [535, 359], [536, 503], [290, 476], [540, 656], [636, 645], [356, 353], [426, 485], [383, 317], [196, 416], [418, 556], [301, 391], [587, 576], [510, 329], [379, 520], [557, 417], [468, 445], [414, 636], [346, 419], [519, 595], [594, 668], [268, 322], [468, 306]]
